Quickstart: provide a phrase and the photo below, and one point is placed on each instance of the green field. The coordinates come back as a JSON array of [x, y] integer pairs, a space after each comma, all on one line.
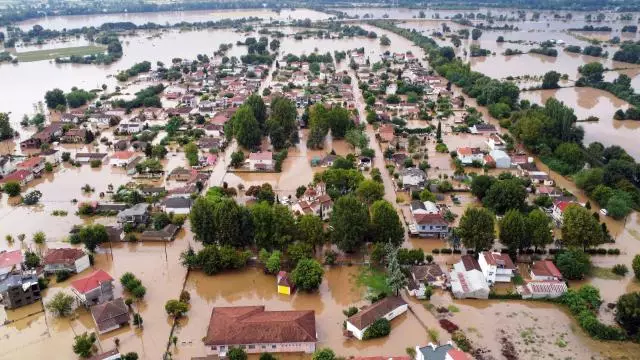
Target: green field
[[50, 54]]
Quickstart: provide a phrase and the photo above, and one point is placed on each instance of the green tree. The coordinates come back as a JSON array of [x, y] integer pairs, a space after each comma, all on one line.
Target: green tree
[[505, 195], [237, 158], [54, 98], [635, 265], [39, 237], [550, 80], [83, 344], [176, 308], [245, 127], [580, 228], [481, 184], [6, 131], [513, 230], [31, 260], [267, 356], [298, 251], [307, 275], [349, 219], [476, 228], [32, 197], [257, 105], [475, 34], [191, 153], [573, 264], [324, 354], [384, 40], [386, 223], [235, 353], [92, 236], [539, 229], [628, 312], [61, 304], [396, 280], [12, 188], [592, 72], [282, 122], [356, 138], [159, 151], [272, 265], [311, 230], [370, 191], [426, 195]]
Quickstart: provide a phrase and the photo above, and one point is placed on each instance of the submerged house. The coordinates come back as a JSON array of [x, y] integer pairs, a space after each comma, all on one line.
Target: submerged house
[[496, 267], [467, 279], [19, 289], [542, 289], [94, 289], [110, 315], [66, 259], [388, 308], [441, 352], [255, 330]]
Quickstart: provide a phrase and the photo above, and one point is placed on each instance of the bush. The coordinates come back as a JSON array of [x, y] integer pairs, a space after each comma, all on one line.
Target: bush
[[12, 188], [461, 340], [573, 264], [584, 304], [620, 269], [379, 328], [95, 164], [352, 310], [435, 251], [62, 275]]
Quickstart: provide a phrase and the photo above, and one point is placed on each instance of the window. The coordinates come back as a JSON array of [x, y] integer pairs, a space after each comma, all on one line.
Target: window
[[273, 346], [243, 347], [221, 347], [252, 346], [213, 348]]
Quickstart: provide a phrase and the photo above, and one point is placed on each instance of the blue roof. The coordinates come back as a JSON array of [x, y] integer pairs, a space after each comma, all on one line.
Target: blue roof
[[439, 353]]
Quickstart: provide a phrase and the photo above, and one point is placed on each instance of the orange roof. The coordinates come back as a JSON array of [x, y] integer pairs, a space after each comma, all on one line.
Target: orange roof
[[91, 282], [122, 155], [31, 162]]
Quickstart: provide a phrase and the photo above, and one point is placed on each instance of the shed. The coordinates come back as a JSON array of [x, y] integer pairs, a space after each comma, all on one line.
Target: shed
[[285, 286]]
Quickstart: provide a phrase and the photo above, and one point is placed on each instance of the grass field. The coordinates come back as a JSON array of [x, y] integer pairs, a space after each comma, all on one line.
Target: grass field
[[50, 54]]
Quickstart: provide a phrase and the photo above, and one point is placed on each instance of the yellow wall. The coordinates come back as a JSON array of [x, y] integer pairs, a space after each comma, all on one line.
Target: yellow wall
[[284, 290]]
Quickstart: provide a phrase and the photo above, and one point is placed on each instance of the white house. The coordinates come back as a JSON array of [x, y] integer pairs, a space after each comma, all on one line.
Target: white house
[[388, 308], [495, 142], [51, 156], [391, 89], [93, 289], [100, 120], [130, 128], [122, 158], [542, 289], [261, 161], [427, 207], [177, 205], [467, 280], [501, 159], [413, 177], [544, 270], [496, 267], [558, 210], [66, 259], [468, 155]]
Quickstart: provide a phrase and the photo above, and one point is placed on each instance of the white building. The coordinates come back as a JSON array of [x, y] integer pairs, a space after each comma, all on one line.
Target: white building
[[501, 159], [67, 259], [261, 161], [495, 142], [413, 177], [122, 158], [7, 165], [388, 308], [496, 267], [542, 289], [468, 155], [467, 279]]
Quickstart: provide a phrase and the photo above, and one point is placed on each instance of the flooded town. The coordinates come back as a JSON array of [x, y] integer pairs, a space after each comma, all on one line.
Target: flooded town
[[319, 180]]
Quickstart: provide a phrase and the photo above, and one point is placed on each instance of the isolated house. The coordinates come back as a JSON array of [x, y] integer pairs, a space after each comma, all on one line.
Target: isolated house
[[285, 285], [167, 233], [261, 161], [483, 129], [413, 178], [542, 289], [122, 158], [543, 270], [426, 207], [467, 279], [388, 308], [94, 289], [110, 315], [496, 267], [177, 205], [137, 214], [65, 259], [468, 156], [257, 331], [19, 289], [86, 158], [429, 225]]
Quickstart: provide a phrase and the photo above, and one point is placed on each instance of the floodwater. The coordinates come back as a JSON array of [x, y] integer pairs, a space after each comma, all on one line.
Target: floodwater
[[337, 292], [593, 102], [171, 17]]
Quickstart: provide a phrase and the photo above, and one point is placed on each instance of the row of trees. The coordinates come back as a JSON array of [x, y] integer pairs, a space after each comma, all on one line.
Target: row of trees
[[321, 120]]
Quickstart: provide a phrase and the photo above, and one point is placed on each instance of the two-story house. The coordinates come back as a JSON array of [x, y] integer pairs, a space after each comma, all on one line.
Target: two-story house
[[429, 225], [316, 201], [33, 164], [261, 161], [135, 215], [93, 289], [19, 289], [388, 308], [65, 259], [468, 155], [496, 267]]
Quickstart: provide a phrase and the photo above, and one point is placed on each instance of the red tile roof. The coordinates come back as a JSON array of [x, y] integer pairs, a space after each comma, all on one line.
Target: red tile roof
[[470, 263], [493, 258], [10, 258], [562, 205], [432, 219], [110, 314], [122, 155], [17, 175], [91, 282], [253, 325], [265, 155], [31, 162], [62, 256], [545, 268]]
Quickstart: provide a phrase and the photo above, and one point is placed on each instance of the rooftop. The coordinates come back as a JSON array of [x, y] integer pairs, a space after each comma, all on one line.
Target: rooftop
[[110, 314], [375, 311], [91, 282], [545, 268], [62, 256], [498, 259], [254, 325]]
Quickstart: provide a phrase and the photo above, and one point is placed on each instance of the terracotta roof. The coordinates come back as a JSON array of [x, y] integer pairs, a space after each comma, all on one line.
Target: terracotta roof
[[122, 155], [62, 256], [493, 258], [374, 312], [91, 282], [428, 272], [545, 268], [562, 205], [31, 162], [467, 151], [265, 155], [10, 258], [254, 325], [110, 314], [456, 354], [382, 358], [17, 175], [470, 263], [433, 219]]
